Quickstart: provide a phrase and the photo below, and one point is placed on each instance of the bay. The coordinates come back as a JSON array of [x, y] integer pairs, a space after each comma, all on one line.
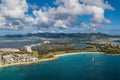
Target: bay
[[72, 67]]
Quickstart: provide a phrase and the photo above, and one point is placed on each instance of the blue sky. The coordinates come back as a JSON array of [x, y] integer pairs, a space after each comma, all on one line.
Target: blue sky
[[114, 15], [67, 16]]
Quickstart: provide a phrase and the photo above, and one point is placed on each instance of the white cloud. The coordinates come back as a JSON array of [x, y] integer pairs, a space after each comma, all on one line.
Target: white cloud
[[98, 3], [33, 6], [72, 9], [41, 16], [60, 24], [83, 25], [13, 14], [107, 21], [14, 8]]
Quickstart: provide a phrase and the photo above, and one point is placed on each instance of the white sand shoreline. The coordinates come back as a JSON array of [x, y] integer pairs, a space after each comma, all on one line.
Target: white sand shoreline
[[49, 59], [67, 54]]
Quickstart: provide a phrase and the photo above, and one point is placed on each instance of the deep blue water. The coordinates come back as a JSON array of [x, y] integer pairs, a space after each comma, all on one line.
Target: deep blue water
[[73, 67], [118, 41]]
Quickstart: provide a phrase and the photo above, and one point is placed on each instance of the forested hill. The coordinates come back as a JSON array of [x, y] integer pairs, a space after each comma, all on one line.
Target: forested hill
[[62, 35]]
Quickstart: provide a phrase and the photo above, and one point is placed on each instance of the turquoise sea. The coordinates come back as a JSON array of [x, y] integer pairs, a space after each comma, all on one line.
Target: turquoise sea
[[118, 41], [72, 67]]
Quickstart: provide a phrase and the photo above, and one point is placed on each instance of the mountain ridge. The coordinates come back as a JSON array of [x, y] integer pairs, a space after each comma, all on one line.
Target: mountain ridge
[[61, 35]]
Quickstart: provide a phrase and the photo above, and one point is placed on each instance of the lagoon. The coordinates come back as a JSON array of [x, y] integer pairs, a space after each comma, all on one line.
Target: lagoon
[[71, 67], [25, 41]]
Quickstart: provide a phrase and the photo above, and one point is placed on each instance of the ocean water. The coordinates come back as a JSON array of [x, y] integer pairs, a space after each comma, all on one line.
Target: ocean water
[[118, 41], [72, 67]]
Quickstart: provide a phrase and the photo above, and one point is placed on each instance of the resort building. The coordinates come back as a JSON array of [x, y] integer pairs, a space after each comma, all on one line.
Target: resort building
[[0, 59], [28, 48], [17, 58], [9, 50]]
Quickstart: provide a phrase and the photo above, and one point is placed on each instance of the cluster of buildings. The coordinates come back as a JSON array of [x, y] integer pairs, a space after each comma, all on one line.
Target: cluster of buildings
[[108, 43], [17, 58], [9, 56], [9, 50]]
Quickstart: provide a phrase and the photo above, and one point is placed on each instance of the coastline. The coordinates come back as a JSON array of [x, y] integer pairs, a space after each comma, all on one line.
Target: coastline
[[67, 54], [27, 63], [48, 59]]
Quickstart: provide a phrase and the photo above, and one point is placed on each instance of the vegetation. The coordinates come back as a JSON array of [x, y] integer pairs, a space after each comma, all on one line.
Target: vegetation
[[62, 35], [91, 47], [65, 48], [108, 49]]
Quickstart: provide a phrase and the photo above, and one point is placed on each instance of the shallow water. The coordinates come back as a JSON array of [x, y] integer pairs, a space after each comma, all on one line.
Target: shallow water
[[72, 67]]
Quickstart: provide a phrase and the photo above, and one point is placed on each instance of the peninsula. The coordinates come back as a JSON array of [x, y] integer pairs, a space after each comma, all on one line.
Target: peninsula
[[28, 55]]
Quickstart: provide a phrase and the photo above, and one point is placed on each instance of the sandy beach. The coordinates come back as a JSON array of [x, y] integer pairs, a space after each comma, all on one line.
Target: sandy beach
[[48, 59], [67, 54], [27, 63], [19, 63]]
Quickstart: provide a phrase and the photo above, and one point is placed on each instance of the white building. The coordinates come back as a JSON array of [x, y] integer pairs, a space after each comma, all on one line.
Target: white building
[[28, 48], [46, 42], [0, 59]]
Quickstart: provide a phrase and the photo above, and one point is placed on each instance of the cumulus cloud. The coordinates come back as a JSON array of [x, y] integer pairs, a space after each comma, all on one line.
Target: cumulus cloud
[[33, 6], [68, 11], [13, 14], [60, 24], [14, 8], [83, 25]]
